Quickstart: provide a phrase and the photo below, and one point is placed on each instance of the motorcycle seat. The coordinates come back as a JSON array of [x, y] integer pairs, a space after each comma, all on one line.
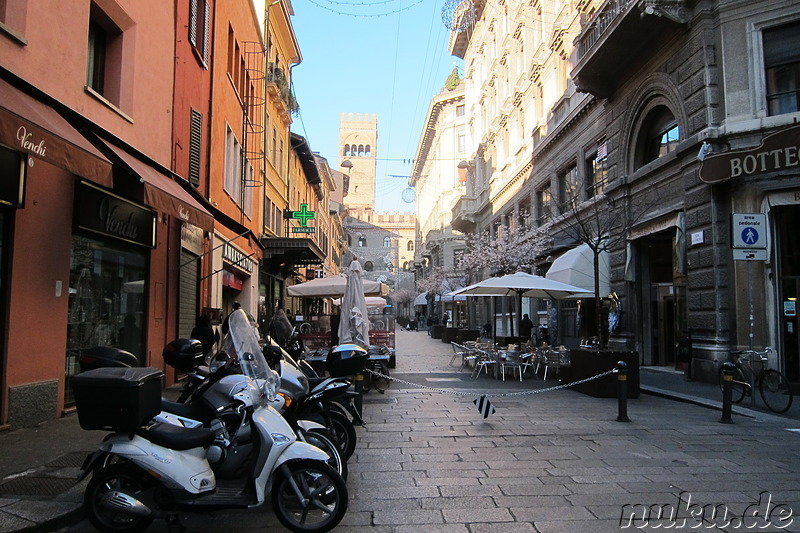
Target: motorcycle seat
[[177, 437], [186, 410]]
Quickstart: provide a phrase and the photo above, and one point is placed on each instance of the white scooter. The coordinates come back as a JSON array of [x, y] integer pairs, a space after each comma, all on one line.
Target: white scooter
[[141, 473]]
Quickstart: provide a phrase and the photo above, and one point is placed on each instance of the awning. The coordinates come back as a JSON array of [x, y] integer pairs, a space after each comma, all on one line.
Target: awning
[[35, 128], [292, 251], [164, 194], [576, 267]]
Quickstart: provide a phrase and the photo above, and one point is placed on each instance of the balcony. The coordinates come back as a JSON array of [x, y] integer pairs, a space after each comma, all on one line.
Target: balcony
[[465, 214], [280, 93], [618, 32]]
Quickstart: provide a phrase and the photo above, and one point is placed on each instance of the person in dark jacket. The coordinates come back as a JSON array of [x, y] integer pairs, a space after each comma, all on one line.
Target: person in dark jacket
[[525, 328], [205, 333]]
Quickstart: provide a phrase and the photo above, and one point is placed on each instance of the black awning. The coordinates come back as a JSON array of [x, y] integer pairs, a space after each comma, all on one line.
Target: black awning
[[306, 156], [292, 251]]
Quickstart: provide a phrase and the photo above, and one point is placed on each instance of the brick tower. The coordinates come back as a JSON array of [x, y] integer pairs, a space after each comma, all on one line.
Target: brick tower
[[358, 140]]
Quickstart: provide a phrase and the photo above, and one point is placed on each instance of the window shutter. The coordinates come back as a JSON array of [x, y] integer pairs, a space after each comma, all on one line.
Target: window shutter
[[193, 22], [195, 147], [206, 31]]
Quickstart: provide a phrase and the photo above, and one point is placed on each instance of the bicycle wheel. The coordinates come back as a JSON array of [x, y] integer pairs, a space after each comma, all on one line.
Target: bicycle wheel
[[738, 385], [775, 391]]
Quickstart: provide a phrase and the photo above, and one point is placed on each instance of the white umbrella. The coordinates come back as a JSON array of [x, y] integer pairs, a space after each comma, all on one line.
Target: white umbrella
[[522, 284], [333, 287], [372, 301], [353, 324]]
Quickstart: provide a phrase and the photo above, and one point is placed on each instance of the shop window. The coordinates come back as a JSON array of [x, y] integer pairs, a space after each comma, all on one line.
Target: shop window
[[107, 300], [782, 68]]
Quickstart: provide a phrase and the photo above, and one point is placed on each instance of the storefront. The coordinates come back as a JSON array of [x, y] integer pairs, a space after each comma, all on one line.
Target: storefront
[[763, 180], [108, 276]]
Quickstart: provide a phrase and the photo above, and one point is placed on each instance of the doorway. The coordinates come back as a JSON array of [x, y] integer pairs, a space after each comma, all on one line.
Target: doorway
[[787, 219]]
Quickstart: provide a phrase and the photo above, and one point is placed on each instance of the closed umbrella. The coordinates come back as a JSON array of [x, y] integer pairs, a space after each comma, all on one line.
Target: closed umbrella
[[354, 325]]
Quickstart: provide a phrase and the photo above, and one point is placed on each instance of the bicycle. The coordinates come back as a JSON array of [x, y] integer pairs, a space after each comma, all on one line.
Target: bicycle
[[772, 384]]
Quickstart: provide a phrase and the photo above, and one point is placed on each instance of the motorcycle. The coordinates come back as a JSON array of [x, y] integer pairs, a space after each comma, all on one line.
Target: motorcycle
[[323, 400], [143, 471]]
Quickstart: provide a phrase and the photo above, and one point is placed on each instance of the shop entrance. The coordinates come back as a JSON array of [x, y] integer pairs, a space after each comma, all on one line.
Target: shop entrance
[[787, 219], [663, 295]]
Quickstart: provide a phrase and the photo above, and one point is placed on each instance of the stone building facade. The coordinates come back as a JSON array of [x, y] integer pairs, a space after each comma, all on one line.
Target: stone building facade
[[660, 123]]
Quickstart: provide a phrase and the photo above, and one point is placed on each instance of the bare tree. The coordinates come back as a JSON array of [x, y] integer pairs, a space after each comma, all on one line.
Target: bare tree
[[602, 223]]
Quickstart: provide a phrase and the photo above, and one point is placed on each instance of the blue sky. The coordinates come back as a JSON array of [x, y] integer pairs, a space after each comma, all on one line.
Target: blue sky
[[387, 57]]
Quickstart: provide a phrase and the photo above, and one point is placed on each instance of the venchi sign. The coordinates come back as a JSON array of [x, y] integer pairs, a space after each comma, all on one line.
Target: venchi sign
[[778, 151], [107, 214]]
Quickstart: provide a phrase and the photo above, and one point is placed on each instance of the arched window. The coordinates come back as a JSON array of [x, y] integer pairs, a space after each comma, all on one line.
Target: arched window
[[367, 151], [659, 135], [368, 266], [387, 242], [405, 265], [410, 246], [362, 241], [346, 150], [360, 150]]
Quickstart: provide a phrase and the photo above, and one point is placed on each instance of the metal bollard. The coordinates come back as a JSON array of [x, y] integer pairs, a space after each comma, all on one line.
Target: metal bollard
[[622, 379], [359, 388], [727, 392]]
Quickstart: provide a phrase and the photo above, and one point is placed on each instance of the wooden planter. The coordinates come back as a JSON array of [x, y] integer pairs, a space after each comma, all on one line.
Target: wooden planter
[[588, 363]]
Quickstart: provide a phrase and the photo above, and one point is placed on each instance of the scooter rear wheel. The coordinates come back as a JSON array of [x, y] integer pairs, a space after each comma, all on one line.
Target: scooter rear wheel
[[122, 477], [319, 503], [343, 432]]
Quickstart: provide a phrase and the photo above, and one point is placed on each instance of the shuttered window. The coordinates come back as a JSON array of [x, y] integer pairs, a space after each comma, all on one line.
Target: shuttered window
[[199, 18], [195, 147]]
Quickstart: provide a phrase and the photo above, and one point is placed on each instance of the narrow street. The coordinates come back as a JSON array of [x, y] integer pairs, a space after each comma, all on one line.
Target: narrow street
[[543, 462]]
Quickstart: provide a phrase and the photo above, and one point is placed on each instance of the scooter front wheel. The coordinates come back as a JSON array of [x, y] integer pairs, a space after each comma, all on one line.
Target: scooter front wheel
[[309, 496], [106, 510]]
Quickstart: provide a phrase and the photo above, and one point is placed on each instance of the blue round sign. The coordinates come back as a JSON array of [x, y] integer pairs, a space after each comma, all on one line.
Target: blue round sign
[[750, 236]]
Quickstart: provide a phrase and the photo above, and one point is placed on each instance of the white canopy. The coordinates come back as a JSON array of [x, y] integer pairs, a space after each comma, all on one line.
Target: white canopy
[[422, 299], [333, 287], [576, 267]]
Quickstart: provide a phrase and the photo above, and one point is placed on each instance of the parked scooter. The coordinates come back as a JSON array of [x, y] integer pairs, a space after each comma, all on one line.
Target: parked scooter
[[142, 472], [193, 410]]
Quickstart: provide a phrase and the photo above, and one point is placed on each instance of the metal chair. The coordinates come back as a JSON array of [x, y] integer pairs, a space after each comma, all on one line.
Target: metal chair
[[485, 360], [512, 360], [552, 359], [459, 352]]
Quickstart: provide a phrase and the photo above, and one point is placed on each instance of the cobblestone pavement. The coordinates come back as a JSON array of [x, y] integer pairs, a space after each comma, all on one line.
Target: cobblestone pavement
[[556, 461]]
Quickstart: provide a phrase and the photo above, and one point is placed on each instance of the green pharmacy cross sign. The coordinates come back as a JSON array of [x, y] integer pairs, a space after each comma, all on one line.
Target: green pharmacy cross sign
[[303, 216]]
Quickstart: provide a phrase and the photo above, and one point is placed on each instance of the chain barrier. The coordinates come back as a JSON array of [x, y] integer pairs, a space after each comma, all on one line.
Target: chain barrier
[[490, 395]]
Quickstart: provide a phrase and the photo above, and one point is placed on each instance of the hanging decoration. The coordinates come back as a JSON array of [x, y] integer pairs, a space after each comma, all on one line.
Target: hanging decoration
[[409, 195], [458, 15]]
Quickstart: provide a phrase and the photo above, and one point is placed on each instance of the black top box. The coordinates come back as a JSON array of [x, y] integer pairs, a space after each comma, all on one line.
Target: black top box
[[117, 398]]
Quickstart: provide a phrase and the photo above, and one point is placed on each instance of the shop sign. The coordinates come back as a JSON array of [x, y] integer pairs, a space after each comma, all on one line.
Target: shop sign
[[236, 257], [192, 238], [304, 215], [304, 230], [777, 151], [101, 212]]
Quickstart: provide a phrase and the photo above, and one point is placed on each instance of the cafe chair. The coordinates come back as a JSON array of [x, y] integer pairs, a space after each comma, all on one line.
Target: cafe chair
[[459, 352], [513, 360], [485, 360], [552, 359]]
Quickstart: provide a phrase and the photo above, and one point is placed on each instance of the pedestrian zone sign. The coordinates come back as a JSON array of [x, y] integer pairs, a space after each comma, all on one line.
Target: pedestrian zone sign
[[749, 230]]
